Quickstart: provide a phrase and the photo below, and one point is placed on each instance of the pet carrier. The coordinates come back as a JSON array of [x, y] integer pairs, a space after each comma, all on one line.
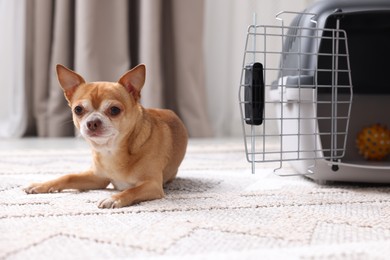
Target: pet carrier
[[331, 82]]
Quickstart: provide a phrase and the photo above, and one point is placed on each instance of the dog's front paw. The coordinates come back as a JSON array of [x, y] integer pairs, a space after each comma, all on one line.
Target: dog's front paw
[[110, 203], [36, 188]]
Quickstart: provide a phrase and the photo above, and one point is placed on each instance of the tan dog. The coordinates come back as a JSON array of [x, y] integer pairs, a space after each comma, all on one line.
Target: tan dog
[[135, 149]]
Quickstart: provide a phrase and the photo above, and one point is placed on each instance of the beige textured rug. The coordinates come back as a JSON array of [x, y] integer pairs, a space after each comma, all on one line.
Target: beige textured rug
[[216, 209]]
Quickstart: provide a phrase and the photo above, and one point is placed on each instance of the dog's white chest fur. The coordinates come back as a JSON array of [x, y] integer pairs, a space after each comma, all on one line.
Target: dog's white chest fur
[[121, 185]]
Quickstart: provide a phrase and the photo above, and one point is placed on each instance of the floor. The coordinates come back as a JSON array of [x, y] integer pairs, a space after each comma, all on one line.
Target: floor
[[42, 143], [215, 209], [78, 142]]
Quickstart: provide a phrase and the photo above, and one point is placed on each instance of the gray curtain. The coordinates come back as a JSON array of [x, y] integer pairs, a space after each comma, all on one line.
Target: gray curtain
[[102, 39]]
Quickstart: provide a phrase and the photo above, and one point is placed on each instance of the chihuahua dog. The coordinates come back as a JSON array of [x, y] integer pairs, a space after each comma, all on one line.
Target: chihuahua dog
[[138, 150]]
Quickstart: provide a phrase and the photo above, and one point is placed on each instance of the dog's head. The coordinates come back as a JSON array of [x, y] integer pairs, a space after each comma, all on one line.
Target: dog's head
[[103, 111]]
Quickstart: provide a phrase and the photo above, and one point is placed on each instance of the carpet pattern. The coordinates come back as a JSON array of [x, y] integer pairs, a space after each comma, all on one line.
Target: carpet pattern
[[215, 208]]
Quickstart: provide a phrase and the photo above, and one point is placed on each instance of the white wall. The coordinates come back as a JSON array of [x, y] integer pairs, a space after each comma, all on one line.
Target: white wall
[[226, 25]]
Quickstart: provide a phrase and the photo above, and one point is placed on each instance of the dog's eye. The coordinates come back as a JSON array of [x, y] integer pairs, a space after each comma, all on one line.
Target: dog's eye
[[78, 110], [115, 111]]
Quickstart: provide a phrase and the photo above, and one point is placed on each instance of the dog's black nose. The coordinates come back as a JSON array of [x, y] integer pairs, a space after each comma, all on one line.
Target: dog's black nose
[[94, 125]]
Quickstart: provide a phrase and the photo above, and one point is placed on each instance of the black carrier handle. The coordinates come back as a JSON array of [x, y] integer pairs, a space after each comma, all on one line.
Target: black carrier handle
[[254, 94]]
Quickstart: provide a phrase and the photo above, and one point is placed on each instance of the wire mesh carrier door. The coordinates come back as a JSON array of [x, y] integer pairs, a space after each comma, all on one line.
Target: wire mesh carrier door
[[295, 93]]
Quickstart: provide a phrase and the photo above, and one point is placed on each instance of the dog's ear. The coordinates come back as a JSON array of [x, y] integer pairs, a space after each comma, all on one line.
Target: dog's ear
[[134, 80], [69, 80]]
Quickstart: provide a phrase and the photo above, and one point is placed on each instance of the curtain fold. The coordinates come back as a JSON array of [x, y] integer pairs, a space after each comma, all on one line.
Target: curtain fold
[[189, 82], [150, 24], [171, 45], [59, 117], [102, 39], [41, 62], [51, 43]]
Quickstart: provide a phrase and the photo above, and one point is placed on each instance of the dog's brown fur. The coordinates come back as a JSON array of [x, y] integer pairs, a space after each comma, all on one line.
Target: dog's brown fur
[[137, 150]]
